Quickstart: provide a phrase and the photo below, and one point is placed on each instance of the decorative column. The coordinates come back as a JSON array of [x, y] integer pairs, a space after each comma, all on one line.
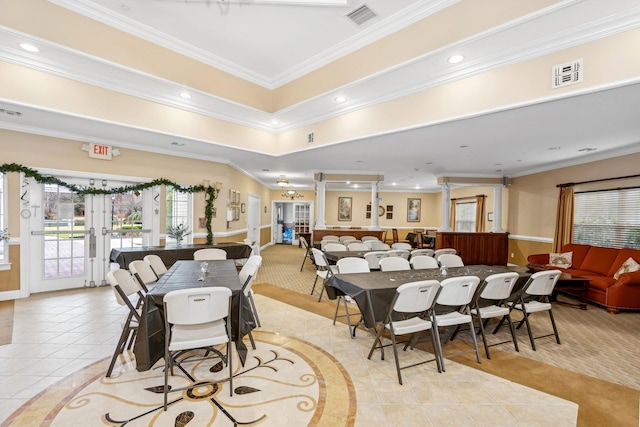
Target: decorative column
[[320, 222], [375, 205], [445, 224], [496, 226]]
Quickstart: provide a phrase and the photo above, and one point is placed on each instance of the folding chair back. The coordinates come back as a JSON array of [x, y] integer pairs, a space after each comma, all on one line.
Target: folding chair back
[[380, 246], [156, 263], [416, 297], [197, 305], [450, 260], [335, 247], [423, 262], [542, 282], [402, 253], [401, 245], [458, 291], [498, 287], [373, 258], [352, 265], [209, 254], [422, 252], [143, 273], [358, 246], [394, 263]]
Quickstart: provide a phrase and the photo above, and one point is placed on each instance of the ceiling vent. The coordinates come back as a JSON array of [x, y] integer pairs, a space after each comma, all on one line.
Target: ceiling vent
[[566, 74], [361, 15]]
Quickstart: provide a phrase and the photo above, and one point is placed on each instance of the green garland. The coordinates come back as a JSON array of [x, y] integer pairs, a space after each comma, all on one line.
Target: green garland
[[210, 192]]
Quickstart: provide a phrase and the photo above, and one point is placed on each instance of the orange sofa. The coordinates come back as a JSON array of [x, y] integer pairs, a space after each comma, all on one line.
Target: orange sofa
[[599, 265]]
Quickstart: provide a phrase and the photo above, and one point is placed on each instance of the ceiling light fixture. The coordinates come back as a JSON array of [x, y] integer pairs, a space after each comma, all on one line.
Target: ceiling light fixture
[[282, 181], [185, 95], [29, 47], [292, 194], [340, 98], [455, 59], [274, 122]]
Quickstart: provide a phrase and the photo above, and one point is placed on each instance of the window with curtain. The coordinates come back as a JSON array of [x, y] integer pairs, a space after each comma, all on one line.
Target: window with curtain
[[178, 210], [4, 244], [609, 218], [466, 216]]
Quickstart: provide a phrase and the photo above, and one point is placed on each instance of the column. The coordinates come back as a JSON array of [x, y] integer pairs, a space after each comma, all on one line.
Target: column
[[446, 208], [375, 204], [496, 226], [320, 222]]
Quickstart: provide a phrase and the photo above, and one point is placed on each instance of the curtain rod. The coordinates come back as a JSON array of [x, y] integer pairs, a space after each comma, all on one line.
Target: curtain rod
[[571, 184]]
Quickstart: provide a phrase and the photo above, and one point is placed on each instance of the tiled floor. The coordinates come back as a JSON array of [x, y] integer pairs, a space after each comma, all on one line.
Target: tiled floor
[[60, 333]]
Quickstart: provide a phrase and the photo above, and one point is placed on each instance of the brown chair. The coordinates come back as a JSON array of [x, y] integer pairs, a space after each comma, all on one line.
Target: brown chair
[[394, 232]]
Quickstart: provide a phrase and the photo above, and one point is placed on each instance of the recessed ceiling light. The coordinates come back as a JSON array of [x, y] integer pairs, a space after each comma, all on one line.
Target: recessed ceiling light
[[274, 122], [185, 95], [340, 98], [455, 59], [348, 182], [355, 185], [417, 187], [29, 47], [393, 183]]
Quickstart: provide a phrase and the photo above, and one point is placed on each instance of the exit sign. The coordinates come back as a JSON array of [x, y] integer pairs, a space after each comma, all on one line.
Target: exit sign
[[100, 151]]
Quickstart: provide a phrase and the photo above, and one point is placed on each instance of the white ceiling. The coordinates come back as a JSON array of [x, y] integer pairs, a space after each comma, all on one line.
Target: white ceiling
[[272, 42]]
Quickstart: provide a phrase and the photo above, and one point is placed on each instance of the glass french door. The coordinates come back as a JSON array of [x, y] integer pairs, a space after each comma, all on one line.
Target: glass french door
[[72, 235]]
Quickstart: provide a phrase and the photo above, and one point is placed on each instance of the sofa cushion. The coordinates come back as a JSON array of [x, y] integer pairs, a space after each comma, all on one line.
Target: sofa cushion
[[579, 252], [599, 260], [623, 255], [600, 282], [629, 266], [562, 260]]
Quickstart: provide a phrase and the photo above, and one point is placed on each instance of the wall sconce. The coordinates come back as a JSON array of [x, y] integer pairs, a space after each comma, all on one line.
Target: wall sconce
[[218, 186], [206, 183]]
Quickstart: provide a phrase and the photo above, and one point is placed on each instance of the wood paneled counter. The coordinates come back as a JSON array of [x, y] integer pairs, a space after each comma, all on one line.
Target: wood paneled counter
[[358, 233], [476, 248]]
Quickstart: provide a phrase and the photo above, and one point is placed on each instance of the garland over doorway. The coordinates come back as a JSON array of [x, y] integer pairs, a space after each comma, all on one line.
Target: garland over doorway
[[210, 192]]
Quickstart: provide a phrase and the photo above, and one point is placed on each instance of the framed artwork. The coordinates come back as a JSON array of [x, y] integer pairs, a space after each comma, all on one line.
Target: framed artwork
[[236, 200], [243, 207], [236, 214], [413, 210], [232, 194], [202, 223], [389, 211], [489, 216], [344, 208]]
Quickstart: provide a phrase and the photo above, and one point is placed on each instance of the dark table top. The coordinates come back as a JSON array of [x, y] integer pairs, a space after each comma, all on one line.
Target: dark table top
[[149, 345], [334, 256], [374, 291], [171, 254]]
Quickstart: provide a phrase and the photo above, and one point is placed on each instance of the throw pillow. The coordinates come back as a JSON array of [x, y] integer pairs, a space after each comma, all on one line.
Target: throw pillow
[[629, 265], [562, 260]]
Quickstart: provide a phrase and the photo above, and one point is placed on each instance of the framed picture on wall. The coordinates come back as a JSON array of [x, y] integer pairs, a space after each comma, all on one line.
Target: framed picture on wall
[[413, 210], [344, 208]]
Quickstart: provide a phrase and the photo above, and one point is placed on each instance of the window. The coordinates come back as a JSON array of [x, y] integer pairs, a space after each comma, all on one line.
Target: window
[[466, 216], [126, 219], [4, 244], [178, 211], [609, 218]]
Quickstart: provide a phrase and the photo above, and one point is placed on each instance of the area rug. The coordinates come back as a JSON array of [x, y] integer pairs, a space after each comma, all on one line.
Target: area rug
[[285, 381]]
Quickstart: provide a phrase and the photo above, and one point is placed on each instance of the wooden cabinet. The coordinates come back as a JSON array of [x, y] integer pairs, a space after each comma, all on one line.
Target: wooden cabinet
[[477, 248], [358, 233]]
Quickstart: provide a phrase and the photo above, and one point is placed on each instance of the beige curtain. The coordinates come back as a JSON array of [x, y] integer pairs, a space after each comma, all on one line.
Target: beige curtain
[[480, 213], [452, 215], [564, 219]]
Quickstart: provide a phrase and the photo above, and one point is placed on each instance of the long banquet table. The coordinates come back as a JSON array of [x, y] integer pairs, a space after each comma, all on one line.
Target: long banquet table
[[149, 345], [374, 291], [171, 254]]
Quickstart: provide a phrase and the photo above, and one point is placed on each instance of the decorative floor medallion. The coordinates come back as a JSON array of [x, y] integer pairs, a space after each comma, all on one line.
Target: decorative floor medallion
[[285, 381]]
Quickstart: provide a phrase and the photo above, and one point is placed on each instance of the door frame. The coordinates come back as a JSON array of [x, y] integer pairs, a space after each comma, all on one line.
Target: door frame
[[253, 217], [25, 230]]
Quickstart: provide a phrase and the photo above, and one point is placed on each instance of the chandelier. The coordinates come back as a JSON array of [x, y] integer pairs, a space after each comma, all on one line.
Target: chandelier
[[292, 194], [282, 181]]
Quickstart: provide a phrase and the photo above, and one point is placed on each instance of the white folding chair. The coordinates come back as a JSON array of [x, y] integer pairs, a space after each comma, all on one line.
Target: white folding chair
[[450, 260], [323, 270], [373, 258], [346, 266], [413, 302], [125, 287], [494, 292], [371, 238], [438, 252], [196, 318], [456, 295], [421, 262], [307, 250], [143, 273], [401, 245], [346, 238], [358, 247], [156, 263], [394, 263], [250, 269], [534, 298], [402, 253], [422, 252], [335, 247], [332, 238], [380, 246], [210, 254]]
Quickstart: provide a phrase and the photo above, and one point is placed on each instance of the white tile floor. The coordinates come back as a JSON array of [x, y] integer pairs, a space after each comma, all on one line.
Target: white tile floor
[[58, 333]]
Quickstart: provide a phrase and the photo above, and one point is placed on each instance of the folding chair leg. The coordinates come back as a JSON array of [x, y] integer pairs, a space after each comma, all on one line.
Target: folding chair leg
[[473, 335], [254, 310], [484, 338], [555, 330], [395, 356], [253, 343], [513, 332], [526, 320], [303, 261], [119, 349]]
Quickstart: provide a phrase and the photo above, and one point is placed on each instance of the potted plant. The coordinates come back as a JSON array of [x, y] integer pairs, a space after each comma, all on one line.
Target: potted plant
[[178, 232]]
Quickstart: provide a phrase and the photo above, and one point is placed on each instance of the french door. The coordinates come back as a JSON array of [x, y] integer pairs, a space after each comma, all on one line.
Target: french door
[[71, 235]]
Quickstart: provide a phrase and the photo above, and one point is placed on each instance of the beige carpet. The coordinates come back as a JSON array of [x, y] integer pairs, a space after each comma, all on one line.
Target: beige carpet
[[596, 365]]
